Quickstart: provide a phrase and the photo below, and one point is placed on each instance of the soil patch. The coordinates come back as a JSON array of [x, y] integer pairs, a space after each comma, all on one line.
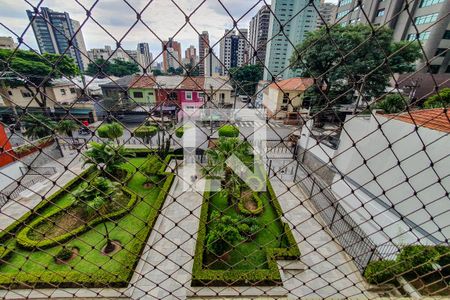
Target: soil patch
[[75, 252], [250, 205], [117, 248]]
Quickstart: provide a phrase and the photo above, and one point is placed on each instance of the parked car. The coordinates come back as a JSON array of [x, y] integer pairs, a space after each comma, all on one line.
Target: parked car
[[244, 98]]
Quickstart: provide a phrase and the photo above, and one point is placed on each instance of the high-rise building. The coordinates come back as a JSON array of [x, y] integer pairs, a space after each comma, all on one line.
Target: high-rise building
[[431, 18], [212, 65], [55, 30], [327, 13], [233, 49], [297, 17], [259, 30], [7, 42], [191, 55], [144, 57], [172, 55], [203, 49]]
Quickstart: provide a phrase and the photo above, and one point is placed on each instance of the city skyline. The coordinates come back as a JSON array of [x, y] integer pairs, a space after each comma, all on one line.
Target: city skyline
[[209, 17]]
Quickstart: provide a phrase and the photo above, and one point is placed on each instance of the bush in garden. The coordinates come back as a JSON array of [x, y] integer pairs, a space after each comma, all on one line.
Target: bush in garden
[[179, 132], [381, 271], [228, 131], [146, 133], [223, 234], [418, 258], [64, 254], [444, 258], [152, 167], [110, 131]]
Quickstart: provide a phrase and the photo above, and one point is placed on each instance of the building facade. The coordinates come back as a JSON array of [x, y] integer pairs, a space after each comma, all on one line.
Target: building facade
[[430, 17], [142, 90], [191, 55], [7, 42], [327, 13], [55, 30], [296, 17], [171, 54], [259, 30], [203, 49], [144, 57], [233, 49]]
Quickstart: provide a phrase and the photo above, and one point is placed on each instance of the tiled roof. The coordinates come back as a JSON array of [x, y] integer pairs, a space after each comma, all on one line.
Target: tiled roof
[[145, 81], [122, 82], [192, 83], [293, 84], [436, 119]]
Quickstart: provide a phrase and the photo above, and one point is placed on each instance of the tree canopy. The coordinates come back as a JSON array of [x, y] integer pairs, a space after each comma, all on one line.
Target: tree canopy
[[352, 58], [246, 78], [440, 99], [102, 68]]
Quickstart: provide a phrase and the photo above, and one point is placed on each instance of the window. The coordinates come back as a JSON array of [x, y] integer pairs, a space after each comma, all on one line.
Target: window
[[138, 95], [441, 52], [446, 35], [173, 96], [344, 2], [422, 37], [380, 12], [285, 98], [426, 3], [341, 14], [188, 96], [72, 90], [63, 91], [26, 94], [426, 19]]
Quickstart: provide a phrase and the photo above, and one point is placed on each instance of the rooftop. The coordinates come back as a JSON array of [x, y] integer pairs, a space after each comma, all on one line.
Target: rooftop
[[293, 84], [436, 119], [145, 81]]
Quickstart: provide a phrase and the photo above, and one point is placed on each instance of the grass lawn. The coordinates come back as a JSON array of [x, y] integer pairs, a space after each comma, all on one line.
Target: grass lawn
[[252, 254], [90, 267]]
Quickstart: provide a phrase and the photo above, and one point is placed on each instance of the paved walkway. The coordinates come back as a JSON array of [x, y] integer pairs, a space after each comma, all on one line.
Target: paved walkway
[[164, 271]]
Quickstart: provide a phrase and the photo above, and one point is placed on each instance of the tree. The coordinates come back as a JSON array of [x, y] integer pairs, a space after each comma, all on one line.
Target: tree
[[38, 126], [102, 68], [67, 127], [222, 235], [157, 72], [146, 133], [245, 79], [364, 68], [179, 132], [440, 99], [228, 130], [193, 70], [111, 131], [107, 154], [175, 71], [34, 71], [393, 103]]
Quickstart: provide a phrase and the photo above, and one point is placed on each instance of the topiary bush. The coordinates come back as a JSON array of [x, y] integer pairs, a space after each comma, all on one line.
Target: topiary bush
[[179, 132], [418, 258], [381, 271], [110, 131], [228, 130], [64, 254]]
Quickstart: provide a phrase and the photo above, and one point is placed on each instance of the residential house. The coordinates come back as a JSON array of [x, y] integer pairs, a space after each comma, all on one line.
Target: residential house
[[285, 98], [219, 90], [142, 91], [392, 175], [116, 91]]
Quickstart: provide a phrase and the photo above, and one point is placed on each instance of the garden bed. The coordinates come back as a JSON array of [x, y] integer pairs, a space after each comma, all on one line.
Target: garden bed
[[130, 226], [249, 262]]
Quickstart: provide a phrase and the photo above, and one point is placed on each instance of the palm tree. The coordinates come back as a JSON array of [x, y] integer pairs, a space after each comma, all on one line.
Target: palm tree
[[107, 154], [38, 126], [67, 127]]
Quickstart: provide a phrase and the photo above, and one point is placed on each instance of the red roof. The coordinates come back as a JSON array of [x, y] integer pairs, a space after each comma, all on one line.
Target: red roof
[[436, 119], [144, 81], [192, 83], [293, 84]]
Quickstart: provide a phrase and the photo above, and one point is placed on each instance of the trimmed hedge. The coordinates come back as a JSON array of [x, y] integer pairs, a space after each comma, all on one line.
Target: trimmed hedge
[[25, 242], [381, 271], [259, 206], [260, 277], [228, 130]]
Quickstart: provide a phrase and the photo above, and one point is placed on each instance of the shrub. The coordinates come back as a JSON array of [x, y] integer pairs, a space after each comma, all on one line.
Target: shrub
[[444, 255], [418, 258], [64, 254], [380, 271], [146, 132], [441, 99], [223, 234], [152, 166], [110, 131], [393, 103], [228, 131], [179, 132]]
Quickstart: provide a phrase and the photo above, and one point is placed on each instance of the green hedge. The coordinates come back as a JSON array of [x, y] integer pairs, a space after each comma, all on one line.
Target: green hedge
[[259, 206], [228, 130], [261, 277], [25, 242], [9, 231], [381, 271]]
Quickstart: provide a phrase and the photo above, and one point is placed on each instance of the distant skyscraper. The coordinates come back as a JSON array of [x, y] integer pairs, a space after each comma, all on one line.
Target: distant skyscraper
[[203, 49], [54, 30], [191, 55], [298, 18], [327, 13], [144, 57], [259, 30], [172, 55], [233, 47]]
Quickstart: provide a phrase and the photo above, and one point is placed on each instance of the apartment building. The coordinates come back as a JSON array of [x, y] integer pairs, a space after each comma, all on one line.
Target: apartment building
[[295, 18], [327, 13], [259, 30], [233, 49], [171, 54], [144, 57], [430, 17], [55, 31], [190, 55], [203, 49]]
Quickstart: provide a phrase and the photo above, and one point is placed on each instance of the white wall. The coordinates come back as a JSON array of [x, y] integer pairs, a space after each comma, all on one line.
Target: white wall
[[321, 151], [10, 172], [372, 144]]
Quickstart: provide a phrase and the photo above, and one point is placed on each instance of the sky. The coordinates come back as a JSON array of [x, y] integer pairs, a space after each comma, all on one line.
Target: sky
[[161, 19]]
